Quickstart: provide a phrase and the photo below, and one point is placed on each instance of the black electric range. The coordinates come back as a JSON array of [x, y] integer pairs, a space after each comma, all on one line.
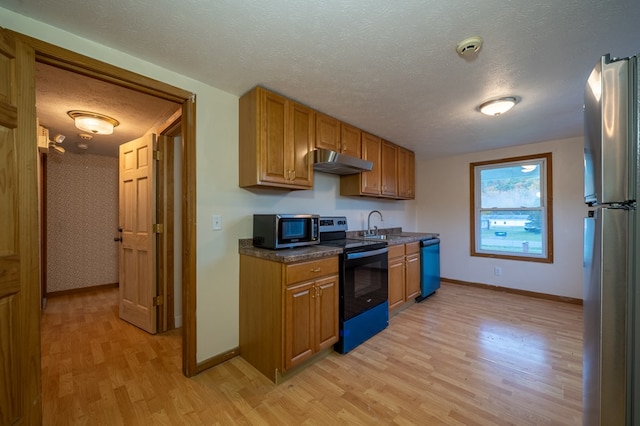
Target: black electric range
[[364, 307]]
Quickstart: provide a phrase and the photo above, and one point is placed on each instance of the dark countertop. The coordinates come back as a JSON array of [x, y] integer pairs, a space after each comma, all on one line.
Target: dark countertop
[[297, 254], [392, 236], [395, 236]]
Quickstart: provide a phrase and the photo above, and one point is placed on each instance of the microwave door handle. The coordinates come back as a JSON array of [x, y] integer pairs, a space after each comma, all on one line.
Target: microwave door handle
[[361, 254]]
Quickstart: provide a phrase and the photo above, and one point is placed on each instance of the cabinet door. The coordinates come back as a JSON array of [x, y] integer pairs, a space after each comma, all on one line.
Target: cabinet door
[[273, 135], [350, 140], [389, 169], [299, 319], [396, 282], [327, 132], [406, 173], [412, 276], [371, 146], [327, 312], [302, 143]]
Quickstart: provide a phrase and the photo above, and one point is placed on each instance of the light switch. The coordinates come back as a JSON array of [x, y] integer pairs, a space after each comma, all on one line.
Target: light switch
[[216, 222]]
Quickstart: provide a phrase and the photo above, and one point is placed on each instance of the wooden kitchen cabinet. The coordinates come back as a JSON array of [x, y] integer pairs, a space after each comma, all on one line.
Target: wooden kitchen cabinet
[[327, 132], [396, 276], [350, 140], [389, 169], [365, 183], [406, 174], [336, 136], [404, 273], [288, 312], [276, 136], [311, 319], [412, 270], [392, 175]]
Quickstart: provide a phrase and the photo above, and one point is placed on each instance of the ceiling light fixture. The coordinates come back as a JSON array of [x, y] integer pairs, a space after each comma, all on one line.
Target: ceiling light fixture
[[498, 106], [93, 122]]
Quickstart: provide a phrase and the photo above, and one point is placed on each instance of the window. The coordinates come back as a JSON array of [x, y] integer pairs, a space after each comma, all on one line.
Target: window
[[511, 208]]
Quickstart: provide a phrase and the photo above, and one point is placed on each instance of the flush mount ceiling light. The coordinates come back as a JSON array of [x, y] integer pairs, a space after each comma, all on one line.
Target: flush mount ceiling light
[[498, 106], [93, 122]]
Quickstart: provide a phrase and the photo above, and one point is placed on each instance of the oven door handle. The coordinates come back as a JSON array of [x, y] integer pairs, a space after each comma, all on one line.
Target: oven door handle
[[361, 254]]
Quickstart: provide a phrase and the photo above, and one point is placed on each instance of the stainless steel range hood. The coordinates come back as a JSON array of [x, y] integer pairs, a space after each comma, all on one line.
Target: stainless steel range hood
[[328, 161]]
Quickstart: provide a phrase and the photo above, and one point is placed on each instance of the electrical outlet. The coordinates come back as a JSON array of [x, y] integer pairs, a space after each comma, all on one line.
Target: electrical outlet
[[497, 271], [216, 222]]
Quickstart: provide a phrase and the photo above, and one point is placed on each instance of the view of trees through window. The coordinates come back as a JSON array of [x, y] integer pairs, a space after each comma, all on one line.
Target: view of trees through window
[[510, 207]]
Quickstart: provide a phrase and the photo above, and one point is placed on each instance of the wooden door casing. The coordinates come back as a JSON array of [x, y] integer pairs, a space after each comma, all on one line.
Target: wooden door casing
[[20, 380], [138, 246]]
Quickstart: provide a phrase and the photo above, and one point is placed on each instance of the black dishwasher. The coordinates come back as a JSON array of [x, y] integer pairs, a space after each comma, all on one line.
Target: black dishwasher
[[429, 268]]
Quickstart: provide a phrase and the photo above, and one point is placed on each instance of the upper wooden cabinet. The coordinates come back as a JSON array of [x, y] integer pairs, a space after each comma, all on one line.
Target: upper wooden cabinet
[[393, 173], [332, 134], [327, 132], [406, 174], [365, 183], [389, 169], [350, 140], [277, 136]]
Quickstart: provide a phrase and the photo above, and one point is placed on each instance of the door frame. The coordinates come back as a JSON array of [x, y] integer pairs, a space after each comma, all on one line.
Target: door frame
[[71, 61]]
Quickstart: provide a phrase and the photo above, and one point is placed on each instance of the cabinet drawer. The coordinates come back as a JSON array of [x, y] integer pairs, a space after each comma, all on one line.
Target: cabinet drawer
[[396, 251], [411, 248], [311, 270]]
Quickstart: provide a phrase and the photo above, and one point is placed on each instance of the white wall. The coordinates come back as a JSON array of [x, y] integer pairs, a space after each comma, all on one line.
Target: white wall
[[443, 206], [217, 189]]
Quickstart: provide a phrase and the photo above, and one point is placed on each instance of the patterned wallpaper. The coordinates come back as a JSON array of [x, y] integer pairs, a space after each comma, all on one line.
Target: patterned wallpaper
[[82, 220]]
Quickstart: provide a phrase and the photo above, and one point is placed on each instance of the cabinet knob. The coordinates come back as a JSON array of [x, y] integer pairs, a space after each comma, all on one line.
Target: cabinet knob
[[316, 270]]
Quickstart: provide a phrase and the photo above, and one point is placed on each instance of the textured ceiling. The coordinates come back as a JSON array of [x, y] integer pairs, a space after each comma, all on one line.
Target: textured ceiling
[[59, 91], [388, 67]]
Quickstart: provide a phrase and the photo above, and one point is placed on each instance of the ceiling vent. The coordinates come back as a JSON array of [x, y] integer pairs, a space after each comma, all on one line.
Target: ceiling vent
[[469, 46]]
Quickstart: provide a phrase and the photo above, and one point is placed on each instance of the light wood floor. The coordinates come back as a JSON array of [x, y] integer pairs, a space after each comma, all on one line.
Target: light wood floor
[[465, 356]]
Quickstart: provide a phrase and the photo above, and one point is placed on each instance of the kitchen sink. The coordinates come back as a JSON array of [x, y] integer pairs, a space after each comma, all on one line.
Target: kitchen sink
[[376, 237]]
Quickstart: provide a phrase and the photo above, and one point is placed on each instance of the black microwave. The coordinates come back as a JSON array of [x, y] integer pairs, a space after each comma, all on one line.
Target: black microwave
[[276, 231]]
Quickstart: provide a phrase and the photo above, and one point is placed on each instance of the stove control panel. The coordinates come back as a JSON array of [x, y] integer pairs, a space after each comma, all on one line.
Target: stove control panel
[[333, 223]]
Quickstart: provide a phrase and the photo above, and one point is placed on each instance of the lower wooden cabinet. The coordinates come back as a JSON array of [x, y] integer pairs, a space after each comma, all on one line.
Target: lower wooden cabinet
[[412, 269], [396, 276], [288, 312], [311, 319], [404, 273]]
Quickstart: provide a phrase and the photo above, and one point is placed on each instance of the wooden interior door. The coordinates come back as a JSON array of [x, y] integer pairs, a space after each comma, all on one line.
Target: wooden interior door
[[137, 213], [20, 381]]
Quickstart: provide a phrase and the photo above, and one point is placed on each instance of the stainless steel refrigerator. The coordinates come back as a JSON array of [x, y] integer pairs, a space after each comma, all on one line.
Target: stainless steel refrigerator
[[611, 241]]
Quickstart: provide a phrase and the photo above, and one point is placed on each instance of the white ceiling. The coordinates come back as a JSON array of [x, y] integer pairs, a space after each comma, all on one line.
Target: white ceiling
[[59, 91], [388, 67]]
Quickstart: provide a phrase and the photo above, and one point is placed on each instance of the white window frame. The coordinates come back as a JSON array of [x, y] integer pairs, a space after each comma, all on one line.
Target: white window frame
[[546, 213]]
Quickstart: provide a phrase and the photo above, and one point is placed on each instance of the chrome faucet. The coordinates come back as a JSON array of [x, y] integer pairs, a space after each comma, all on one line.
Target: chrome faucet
[[369, 231]]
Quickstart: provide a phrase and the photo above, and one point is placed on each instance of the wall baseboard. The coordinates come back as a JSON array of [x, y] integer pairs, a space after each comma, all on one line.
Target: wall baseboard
[[218, 359], [82, 290], [545, 296]]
